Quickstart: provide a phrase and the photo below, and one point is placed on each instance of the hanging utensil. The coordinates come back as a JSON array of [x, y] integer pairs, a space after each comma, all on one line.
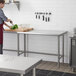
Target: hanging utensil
[[43, 17], [48, 18]]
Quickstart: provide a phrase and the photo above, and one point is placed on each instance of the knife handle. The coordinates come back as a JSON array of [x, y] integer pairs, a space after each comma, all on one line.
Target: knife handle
[[10, 21]]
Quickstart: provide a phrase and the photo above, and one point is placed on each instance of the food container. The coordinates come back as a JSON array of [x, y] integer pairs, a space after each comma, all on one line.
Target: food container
[[24, 25]]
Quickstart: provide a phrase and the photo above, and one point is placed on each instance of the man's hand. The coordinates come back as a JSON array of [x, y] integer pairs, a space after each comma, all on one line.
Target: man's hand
[[9, 20], [10, 27], [7, 25]]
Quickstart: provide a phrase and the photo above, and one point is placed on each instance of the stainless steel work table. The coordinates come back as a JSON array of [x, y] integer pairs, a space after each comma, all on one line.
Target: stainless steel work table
[[21, 65], [58, 34]]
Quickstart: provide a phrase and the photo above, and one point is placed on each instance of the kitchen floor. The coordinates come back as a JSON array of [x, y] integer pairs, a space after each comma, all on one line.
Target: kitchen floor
[[47, 65], [53, 66]]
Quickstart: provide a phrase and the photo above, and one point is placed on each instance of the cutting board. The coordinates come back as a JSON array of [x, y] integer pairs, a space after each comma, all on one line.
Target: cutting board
[[19, 29]]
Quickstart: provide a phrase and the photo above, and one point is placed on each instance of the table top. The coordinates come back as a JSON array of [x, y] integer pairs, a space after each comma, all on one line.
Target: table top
[[41, 32], [17, 64], [45, 32]]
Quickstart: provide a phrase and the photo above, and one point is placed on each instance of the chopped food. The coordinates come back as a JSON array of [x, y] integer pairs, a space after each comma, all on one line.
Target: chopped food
[[14, 27]]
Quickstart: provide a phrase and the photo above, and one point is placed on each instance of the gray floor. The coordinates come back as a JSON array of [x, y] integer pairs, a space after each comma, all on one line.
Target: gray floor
[[53, 66], [46, 65], [39, 72]]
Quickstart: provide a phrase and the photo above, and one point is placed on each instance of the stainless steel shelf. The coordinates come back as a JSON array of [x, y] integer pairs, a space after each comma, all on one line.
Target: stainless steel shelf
[[17, 4]]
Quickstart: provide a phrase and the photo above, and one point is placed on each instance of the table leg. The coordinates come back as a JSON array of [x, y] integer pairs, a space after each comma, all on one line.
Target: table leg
[[17, 44], [63, 49], [34, 71], [73, 69], [58, 51], [25, 45], [21, 75]]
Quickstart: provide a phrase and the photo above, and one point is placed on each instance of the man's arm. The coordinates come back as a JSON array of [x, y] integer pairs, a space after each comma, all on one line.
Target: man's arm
[[2, 15], [7, 25]]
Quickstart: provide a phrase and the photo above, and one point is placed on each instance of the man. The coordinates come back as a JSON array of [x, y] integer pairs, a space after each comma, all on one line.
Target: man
[[3, 19]]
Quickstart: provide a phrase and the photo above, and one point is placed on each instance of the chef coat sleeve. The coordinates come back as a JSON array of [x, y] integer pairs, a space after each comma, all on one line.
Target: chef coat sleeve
[[2, 15]]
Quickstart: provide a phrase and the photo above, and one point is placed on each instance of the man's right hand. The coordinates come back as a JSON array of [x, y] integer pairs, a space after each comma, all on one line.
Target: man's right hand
[[9, 20]]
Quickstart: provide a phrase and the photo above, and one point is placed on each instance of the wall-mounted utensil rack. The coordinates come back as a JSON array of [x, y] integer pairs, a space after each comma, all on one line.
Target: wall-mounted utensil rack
[[45, 16], [15, 2]]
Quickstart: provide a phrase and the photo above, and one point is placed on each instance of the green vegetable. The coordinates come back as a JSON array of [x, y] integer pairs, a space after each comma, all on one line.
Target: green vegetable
[[14, 27]]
